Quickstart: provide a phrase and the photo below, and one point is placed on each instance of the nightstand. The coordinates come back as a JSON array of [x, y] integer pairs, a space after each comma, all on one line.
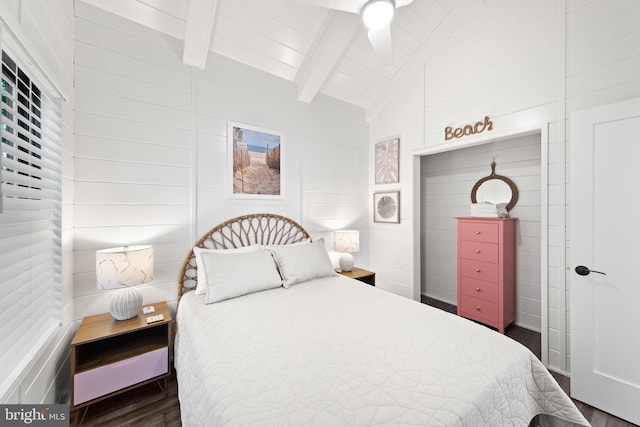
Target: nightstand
[[109, 356], [361, 274]]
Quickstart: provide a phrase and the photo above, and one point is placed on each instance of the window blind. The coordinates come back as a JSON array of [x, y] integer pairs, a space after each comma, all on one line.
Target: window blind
[[30, 202]]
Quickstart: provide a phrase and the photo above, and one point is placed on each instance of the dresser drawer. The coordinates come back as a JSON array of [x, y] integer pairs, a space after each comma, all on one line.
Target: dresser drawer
[[487, 291], [100, 381], [480, 251], [479, 232], [479, 270], [478, 309]]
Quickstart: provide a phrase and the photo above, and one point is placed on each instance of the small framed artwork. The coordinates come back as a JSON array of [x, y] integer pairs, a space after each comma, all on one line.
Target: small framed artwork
[[254, 162], [386, 207], [388, 162]]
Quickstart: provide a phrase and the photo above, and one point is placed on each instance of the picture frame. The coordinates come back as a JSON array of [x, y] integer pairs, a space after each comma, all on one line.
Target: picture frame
[[387, 161], [386, 207], [254, 162]]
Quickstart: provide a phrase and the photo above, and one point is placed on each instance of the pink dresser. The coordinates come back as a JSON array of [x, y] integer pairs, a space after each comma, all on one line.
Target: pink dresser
[[487, 270]]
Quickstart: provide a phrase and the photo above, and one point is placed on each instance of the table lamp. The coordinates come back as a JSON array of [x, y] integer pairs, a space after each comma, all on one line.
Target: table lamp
[[123, 268], [347, 242]]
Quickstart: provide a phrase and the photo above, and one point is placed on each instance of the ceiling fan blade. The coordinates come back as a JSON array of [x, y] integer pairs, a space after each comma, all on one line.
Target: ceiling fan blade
[[381, 42], [400, 3], [353, 6]]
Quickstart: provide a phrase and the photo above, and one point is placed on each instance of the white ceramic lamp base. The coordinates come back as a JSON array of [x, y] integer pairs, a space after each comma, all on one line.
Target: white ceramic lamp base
[[346, 261], [125, 303]]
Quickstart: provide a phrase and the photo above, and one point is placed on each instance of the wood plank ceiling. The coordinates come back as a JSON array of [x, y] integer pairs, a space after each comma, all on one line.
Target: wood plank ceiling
[[321, 50]]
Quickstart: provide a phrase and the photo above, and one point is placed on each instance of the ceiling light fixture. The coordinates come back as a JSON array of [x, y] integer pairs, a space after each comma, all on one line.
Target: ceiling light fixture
[[377, 14]]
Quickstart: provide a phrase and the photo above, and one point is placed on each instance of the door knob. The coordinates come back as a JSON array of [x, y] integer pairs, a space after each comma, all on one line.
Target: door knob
[[584, 271]]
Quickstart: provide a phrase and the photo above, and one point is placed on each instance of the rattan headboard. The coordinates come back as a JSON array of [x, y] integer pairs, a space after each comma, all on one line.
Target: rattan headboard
[[262, 229]]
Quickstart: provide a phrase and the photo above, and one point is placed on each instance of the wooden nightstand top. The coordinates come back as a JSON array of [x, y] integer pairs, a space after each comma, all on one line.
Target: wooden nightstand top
[[103, 325], [357, 273]]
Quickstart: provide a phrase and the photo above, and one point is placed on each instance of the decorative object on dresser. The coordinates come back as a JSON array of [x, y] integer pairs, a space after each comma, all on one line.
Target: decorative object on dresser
[[346, 242], [365, 276], [109, 357], [487, 270], [388, 162], [386, 207], [495, 189], [123, 268]]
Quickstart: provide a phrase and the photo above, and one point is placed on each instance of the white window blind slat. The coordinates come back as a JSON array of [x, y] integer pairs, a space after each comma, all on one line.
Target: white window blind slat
[[17, 204], [19, 149], [14, 276], [29, 147], [13, 225], [12, 219], [17, 335], [30, 203], [43, 197], [12, 300]]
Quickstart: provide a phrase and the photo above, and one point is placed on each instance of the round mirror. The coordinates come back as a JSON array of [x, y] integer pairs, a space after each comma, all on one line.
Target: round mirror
[[495, 189]]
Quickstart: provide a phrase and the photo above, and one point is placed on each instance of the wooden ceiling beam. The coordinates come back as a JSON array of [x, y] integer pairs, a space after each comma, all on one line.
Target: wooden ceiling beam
[[341, 29], [197, 38]]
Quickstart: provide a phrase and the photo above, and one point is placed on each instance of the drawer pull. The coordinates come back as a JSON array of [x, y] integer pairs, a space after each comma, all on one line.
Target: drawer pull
[[478, 308], [477, 270], [477, 232], [477, 251], [477, 289]]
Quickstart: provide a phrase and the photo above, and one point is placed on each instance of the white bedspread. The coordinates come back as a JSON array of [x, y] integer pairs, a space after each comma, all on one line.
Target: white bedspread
[[334, 352]]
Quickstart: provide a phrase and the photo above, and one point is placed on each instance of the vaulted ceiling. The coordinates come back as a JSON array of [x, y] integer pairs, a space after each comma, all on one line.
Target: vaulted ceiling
[[321, 50]]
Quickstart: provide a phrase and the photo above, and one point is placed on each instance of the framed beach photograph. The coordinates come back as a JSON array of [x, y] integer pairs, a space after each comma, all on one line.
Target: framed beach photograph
[[388, 161], [254, 162], [386, 207]]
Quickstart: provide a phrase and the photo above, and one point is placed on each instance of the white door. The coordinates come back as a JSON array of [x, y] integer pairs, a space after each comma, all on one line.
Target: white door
[[605, 236]]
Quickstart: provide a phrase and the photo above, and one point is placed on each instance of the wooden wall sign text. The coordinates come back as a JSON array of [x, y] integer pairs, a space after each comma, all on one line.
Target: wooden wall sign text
[[478, 127]]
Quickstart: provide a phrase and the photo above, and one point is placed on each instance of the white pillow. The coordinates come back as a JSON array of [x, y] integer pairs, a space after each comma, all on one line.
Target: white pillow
[[201, 287], [231, 275], [299, 263], [304, 242]]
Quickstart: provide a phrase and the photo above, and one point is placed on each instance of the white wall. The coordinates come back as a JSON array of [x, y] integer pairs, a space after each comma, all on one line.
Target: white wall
[[45, 29], [526, 65], [151, 142], [446, 182]]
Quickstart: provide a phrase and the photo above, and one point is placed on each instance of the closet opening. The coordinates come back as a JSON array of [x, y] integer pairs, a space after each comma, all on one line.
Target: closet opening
[[446, 178]]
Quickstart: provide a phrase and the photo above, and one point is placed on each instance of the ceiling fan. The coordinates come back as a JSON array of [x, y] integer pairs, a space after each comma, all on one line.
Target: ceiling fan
[[376, 15]]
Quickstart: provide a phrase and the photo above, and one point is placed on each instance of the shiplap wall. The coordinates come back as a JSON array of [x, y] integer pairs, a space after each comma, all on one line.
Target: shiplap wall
[[45, 29], [391, 250], [446, 182], [151, 143], [525, 64]]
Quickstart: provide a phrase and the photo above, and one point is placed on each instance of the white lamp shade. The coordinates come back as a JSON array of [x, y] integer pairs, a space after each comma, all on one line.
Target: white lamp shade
[[346, 241], [124, 266]]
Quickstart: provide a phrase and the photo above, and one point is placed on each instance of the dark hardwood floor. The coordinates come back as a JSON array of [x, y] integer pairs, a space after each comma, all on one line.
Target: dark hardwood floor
[[149, 406], [146, 406]]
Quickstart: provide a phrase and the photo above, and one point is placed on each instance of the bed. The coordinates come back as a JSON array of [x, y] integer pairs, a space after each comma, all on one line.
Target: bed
[[328, 350]]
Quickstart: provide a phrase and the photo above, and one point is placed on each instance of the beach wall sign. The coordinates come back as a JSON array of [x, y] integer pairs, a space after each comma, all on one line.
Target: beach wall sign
[[477, 127]]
